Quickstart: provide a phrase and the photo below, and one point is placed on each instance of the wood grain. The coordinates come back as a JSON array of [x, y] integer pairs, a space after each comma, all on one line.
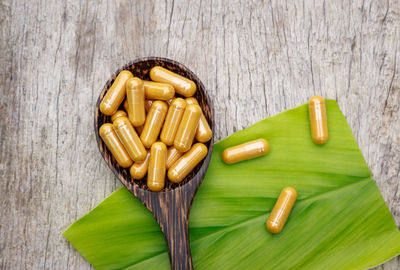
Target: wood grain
[[256, 58]]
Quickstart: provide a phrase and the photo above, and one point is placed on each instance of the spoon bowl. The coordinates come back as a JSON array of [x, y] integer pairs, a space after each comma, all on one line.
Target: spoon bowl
[[171, 206]]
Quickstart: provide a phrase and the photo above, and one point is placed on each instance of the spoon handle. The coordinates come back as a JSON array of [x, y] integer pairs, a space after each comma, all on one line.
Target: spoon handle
[[174, 223], [177, 237]]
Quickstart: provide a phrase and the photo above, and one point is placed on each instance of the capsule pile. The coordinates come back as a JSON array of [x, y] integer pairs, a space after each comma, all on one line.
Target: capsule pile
[[151, 120]]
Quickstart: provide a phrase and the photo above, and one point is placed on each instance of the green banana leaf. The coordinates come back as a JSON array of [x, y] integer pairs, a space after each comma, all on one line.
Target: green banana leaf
[[339, 221]]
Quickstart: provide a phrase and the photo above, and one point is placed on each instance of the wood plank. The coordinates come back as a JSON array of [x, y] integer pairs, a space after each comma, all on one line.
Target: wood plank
[[56, 56]]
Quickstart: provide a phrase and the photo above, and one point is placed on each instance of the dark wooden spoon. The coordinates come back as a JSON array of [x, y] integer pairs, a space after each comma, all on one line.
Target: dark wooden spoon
[[171, 206]]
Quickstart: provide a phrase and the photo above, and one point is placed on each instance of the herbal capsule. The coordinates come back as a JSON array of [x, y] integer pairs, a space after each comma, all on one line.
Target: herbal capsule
[[245, 151], [281, 210], [172, 155], [139, 169], [118, 114], [182, 85], [135, 97], [172, 121], [156, 170], [203, 132], [161, 91], [115, 95], [126, 105], [318, 119], [187, 128], [147, 104], [127, 134], [115, 146], [187, 162], [154, 122]]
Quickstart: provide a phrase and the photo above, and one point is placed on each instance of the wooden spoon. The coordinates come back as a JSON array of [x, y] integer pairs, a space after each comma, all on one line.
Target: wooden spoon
[[171, 206]]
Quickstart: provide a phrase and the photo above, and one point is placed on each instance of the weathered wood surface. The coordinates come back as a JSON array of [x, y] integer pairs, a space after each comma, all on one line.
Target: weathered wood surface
[[257, 58]]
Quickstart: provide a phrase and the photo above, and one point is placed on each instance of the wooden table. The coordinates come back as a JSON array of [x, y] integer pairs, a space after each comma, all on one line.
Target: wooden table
[[256, 58]]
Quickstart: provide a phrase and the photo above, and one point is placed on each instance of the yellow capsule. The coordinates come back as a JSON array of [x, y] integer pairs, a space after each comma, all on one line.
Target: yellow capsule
[[115, 146], [115, 95], [187, 128], [180, 169], [135, 97], [182, 85], [203, 132], [160, 91], [156, 170], [245, 151], [281, 210], [154, 122], [318, 119], [172, 156], [118, 114], [172, 121], [139, 169], [126, 105], [147, 104], [127, 134]]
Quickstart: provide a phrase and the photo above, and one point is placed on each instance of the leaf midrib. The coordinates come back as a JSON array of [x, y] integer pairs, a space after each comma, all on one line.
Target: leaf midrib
[[245, 221]]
